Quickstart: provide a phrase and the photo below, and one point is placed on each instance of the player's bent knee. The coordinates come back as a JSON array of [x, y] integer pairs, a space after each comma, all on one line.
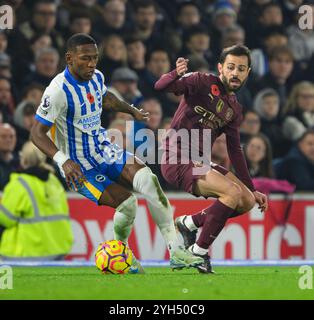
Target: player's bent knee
[[235, 191], [248, 201]]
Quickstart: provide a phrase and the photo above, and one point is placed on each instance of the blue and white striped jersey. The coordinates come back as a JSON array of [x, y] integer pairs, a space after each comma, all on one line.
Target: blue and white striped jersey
[[73, 110]]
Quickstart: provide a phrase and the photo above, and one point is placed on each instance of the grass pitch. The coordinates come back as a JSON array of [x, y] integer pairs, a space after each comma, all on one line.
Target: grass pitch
[[158, 283]]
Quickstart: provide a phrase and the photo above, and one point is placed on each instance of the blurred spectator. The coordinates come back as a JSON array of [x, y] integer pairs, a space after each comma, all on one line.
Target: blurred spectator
[[113, 55], [298, 166], [153, 106], [157, 63], [259, 17], [197, 42], [28, 119], [236, 5], [299, 111], [250, 126], [117, 133], [290, 10], [8, 160], [188, 15], [80, 22], [219, 153], [266, 105], [124, 86], [3, 41], [27, 63], [46, 67], [279, 77], [223, 18], [232, 36], [43, 20], [35, 212], [5, 66], [68, 8], [301, 41], [197, 63], [32, 93], [272, 37], [258, 156], [151, 30], [7, 105], [136, 51], [113, 18]]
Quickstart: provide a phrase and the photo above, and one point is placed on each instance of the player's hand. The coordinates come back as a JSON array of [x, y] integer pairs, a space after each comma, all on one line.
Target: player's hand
[[261, 199], [73, 175], [140, 115], [181, 66]]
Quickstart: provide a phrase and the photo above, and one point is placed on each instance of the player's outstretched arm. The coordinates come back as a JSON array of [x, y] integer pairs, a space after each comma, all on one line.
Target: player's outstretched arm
[[111, 102], [72, 170]]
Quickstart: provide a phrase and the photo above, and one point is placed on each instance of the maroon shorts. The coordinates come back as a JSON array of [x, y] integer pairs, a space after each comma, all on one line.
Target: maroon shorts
[[182, 176]]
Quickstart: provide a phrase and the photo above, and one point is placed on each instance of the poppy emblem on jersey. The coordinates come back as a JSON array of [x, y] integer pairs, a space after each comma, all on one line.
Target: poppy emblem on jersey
[[215, 90], [90, 98]]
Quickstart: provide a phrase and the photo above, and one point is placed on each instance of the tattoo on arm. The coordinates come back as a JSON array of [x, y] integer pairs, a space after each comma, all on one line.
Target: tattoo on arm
[[111, 102]]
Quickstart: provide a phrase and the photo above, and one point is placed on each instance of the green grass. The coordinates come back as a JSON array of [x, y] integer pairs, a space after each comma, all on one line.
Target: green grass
[[157, 283]]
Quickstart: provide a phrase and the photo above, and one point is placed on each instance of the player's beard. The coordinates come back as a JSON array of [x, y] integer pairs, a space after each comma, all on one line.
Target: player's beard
[[229, 88]]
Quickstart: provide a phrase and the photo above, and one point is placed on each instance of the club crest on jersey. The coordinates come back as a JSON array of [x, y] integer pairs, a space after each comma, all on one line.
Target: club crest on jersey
[[98, 96], [100, 178], [229, 114], [90, 98]]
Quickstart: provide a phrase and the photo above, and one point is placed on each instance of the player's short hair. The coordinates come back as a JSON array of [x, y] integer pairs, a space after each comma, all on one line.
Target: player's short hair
[[79, 39], [236, 50]]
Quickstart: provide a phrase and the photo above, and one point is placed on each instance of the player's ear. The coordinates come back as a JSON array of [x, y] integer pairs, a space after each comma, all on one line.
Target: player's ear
[[219, 67], [68, 58]]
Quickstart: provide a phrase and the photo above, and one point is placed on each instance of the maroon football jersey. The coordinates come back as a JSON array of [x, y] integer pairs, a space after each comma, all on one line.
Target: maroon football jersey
[[207, 105]]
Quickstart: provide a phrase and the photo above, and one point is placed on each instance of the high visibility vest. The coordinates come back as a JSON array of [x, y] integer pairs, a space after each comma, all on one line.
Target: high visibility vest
[[35, 215]]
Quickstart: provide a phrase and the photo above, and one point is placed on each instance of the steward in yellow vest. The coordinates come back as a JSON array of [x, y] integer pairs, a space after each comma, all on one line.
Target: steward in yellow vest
[[34, 212]]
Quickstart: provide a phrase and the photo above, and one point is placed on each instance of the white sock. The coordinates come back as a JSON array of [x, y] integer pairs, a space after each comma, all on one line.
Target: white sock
[[198, 250], [146, 183], [188, 221], [124, 218]]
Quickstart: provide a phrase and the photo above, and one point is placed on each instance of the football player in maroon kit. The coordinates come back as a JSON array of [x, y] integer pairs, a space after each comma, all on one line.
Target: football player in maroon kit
[[209, 102]]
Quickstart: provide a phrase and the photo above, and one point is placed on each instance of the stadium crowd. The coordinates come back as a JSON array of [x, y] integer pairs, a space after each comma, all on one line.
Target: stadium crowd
[[140, 40]]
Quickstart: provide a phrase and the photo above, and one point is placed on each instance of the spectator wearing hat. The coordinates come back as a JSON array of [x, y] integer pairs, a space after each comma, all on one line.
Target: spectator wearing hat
[[124, 85]]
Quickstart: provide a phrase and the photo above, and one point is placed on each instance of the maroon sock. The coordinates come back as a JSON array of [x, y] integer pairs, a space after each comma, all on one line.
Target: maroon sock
[[200, 217], [215, 218]]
